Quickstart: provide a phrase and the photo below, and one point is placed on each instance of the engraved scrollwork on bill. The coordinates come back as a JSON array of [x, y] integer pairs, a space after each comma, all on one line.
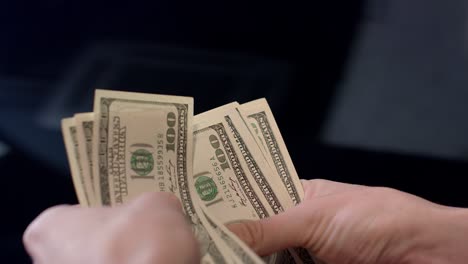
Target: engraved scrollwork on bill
[[254, 200], [254, 169], [74, 138], [275, 152]]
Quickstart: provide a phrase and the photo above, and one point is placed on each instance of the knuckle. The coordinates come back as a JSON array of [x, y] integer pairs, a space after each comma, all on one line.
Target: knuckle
[[319, 182], [148, 197], [158, 243], [53, 211], [251, 232], [109, 252], [313, 187], [184, 239], [383, 191], [31, 235], [36, 231], [157, 197]]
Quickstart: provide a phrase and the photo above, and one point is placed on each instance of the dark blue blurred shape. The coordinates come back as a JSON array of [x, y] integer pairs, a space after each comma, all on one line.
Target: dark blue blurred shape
[[213, 78], [406, 87], [54, 53]]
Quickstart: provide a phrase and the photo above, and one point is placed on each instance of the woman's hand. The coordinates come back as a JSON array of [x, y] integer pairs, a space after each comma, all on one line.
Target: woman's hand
[[150, 229], [343, 223]]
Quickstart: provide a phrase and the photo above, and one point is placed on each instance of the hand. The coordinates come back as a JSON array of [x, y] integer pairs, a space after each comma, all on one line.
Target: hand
[[150, 229], [343, 223]]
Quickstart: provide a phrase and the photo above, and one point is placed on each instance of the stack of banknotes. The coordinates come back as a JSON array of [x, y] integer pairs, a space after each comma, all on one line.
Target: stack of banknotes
[[225, 165]]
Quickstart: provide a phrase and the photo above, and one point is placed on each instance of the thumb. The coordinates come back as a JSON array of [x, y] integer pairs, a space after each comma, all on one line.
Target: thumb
[[292, 228]]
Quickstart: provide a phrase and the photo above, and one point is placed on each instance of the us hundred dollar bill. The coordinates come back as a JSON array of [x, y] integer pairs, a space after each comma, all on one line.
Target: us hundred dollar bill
[[229, 244], [231, 176], [143, 143], [84, 126], [261, 122], [240, 251], [70, 137]]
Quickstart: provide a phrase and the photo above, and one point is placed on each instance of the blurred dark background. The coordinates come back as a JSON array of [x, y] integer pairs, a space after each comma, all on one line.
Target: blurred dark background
[[369, 92]]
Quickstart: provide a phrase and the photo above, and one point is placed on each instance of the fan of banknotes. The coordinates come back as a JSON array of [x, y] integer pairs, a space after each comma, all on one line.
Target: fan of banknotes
[[225, 165]]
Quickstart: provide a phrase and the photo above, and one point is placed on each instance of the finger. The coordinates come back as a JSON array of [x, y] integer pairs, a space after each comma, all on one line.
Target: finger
[[157, 200], [279, 232], [37, 235], [319, 188]]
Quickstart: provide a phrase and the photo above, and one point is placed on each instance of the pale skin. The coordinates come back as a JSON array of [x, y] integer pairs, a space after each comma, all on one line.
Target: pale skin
[[337, 222], [344, 223], [150, 229]]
